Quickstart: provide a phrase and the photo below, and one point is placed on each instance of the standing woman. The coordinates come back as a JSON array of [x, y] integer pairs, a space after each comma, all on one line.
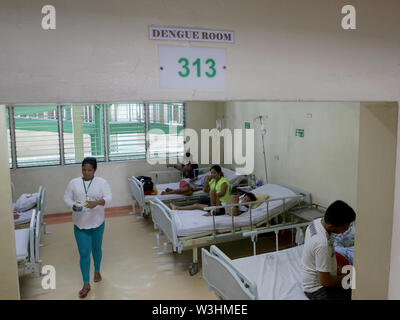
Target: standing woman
[[95, 194]]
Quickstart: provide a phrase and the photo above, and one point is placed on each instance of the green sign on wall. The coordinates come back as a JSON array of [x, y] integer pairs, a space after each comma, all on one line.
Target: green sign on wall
[[300, 133], [247, 125]]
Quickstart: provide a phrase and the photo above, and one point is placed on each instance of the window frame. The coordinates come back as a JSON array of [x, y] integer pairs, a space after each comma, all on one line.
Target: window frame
[[61, 111]]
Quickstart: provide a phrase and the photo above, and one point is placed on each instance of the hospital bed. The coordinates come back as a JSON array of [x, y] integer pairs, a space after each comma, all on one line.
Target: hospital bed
[[25, 217], [268, 276], [190, 229], [27, 242], [138, 196]]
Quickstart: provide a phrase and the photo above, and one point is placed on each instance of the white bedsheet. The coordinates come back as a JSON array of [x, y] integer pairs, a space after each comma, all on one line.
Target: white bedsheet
[[276, 274], [191, 222]]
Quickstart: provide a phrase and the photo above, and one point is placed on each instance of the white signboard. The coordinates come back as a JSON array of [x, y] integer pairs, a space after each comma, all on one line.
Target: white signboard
[[192, 67], [184, 34]]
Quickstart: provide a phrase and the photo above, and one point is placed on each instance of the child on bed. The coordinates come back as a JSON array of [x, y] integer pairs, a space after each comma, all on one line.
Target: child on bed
[[235, 198]]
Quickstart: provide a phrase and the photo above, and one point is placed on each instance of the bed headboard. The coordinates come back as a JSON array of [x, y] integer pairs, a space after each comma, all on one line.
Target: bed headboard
[[306, 194]]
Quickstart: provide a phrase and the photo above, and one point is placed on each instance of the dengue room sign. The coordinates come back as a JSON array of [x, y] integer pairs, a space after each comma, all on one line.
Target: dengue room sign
[[185, 34], [192, 67]]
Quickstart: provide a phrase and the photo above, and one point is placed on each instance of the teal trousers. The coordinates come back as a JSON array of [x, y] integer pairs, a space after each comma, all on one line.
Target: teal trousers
[[89, 242]]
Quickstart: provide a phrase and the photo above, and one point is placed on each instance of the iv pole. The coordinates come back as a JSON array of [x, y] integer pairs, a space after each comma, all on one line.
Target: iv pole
[[263, 132]]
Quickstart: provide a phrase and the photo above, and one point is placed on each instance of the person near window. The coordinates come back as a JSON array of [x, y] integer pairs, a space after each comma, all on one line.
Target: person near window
[[188, 169], [87, 196]]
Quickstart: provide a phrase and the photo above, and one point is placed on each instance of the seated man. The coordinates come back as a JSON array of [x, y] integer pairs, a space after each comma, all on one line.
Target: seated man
[[320, 276], [235, 198], [219, 189], [188, 168]]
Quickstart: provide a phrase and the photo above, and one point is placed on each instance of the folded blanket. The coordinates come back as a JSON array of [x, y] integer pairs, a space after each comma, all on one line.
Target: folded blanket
[[25, 202]]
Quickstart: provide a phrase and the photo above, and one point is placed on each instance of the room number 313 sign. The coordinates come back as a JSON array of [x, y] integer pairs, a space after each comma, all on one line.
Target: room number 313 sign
[[192, 67], [197, 64]]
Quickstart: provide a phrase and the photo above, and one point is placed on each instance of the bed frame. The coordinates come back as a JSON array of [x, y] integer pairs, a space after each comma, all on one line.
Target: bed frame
[[40, 206], [138, 196], [29, 239], [225, 278], [163, 221]]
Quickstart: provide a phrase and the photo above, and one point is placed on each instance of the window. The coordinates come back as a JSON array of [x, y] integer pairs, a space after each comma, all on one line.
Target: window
[[41, 138], [83, 132], [126, 131], [36, 136], [166, 130]]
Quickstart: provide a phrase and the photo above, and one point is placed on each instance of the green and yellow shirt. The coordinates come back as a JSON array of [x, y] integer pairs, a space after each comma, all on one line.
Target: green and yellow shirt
[[218, 185]]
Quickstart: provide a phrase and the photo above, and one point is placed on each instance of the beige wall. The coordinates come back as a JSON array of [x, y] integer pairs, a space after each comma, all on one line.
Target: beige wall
[[55, 179], [375, 198], [283, 51], [9, 285], [323, 162]]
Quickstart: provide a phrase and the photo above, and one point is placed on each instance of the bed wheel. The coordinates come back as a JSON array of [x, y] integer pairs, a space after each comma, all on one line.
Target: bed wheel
[[193, 269], [146, 214]]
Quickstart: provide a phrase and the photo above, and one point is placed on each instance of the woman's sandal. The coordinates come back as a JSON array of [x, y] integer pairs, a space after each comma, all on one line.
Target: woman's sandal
[[84, 292]]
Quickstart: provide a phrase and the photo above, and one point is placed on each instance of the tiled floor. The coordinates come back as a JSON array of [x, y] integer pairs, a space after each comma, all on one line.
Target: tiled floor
[[130, 268]]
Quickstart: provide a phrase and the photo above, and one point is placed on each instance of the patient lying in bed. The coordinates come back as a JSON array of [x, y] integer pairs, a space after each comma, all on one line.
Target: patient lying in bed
[[236, 199], [187, 186], [232, 199]]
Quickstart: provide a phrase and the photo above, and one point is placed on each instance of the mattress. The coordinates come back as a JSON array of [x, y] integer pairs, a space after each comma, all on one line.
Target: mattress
[[229, 174], [22, 243], [192, 222], [276, 274]]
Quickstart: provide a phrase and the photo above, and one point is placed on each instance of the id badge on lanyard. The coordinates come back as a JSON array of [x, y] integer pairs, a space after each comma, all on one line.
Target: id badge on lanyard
[[86, 190]]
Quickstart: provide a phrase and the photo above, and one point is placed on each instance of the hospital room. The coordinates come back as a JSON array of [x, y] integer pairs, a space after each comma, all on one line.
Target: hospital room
[[153, 152]]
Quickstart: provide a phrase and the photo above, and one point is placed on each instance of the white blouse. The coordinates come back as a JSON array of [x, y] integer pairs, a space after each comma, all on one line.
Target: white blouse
[[98, 189]]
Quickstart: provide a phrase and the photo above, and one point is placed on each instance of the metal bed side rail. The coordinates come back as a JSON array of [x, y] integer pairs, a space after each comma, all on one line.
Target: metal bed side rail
[[276, 228], [39, 218], [306, 194], [163, 219], [137, 192], [254, 233], [42, 206], [225, 278], [41, 210], [31, 263], [205, 239], [32, 236], [214, 208]]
